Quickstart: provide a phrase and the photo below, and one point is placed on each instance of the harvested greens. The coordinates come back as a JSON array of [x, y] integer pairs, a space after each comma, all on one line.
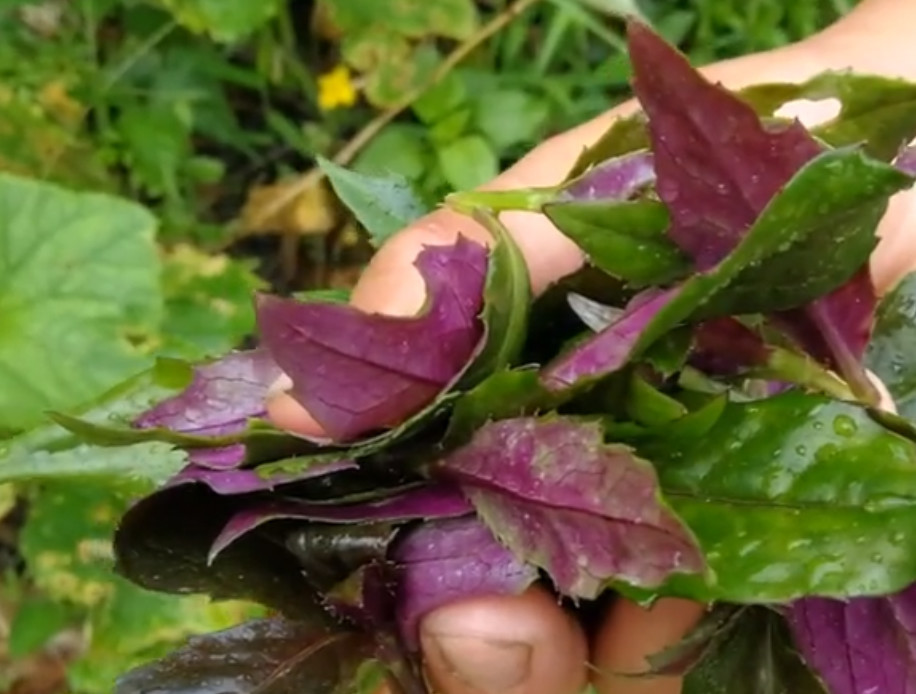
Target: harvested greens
[[688, 415]]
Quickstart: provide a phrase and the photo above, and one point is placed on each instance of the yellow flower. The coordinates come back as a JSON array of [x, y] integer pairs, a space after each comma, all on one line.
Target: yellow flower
[[336, 88]]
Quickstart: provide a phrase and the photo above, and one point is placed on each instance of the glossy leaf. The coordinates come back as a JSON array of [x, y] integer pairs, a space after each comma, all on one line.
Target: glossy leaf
[[776, 496], [878, 113], [891, 344], [357, 372], [863, 645], [163, 541], [265, 656], [383, 204], [425, 502], [449, 560], [756, 657], [560, 498], [717, 165], [625, 239]]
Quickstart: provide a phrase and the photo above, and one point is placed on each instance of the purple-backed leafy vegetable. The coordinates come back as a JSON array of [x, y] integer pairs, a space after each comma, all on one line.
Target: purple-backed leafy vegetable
[[489, 441], [860, 646], [586, 512], [615, 179], [222, 398], [448, 560], [440, 501], [357, 372], [250, 480]]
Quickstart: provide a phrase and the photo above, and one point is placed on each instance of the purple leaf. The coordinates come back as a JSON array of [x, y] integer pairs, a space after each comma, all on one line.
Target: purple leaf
[[444, 561], [717, 165], [725, 346], [614, 179], [220, 458], [229, 482], [585, 511], [610, 349], [906, 160], [860, 646], [426, 502], [357, 372], [222, 396]]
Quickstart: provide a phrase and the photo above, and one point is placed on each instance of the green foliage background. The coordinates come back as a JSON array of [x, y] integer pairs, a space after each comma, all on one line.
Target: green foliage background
[[151, 177]]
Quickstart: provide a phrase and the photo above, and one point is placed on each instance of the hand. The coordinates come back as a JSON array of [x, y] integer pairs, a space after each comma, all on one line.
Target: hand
[[528, 644]]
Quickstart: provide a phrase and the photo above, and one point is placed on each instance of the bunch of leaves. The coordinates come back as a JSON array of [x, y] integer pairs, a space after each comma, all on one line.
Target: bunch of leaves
[[689, 415]]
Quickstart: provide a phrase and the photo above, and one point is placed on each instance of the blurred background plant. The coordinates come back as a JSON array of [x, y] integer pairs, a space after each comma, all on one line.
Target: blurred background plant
[[157, 165]]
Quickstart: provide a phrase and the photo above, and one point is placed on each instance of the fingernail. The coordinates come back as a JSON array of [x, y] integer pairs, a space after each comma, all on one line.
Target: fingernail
[[488, 666], [279, 387]]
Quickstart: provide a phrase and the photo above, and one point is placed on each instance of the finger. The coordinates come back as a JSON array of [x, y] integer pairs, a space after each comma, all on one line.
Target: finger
[[630, 634], [524, 644]]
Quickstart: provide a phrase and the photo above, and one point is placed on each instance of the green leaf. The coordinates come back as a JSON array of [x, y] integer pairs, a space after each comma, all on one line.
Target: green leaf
[[775, 494], [224, 20], [37, 619], [509, 117], [157, 144], [755, 657], [627, 240], [468, 162], [810, 239], [624, 136], [383, 205], [208, 303], [506, 301], [79, 274], [441, 99], [399, 149], [455, 19], [877, 112], [650, 407], [889, 352]]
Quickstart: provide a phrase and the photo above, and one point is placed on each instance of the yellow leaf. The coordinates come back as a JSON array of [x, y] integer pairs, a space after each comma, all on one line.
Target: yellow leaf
[[315, 211]]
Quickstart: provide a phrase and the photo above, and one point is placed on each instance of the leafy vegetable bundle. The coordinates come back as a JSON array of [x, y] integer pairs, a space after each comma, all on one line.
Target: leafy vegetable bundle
[[687, 415]]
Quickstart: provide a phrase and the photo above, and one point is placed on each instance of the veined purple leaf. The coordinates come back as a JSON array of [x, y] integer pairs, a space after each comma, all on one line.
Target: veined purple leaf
[[222, 396], [859, 646], [443, 561], [229, 482], [906, 160], [610, 349], [221, 458], [717, 165], [725, 346], [560, 498], [614, 179], [437, 501], [357, 372]]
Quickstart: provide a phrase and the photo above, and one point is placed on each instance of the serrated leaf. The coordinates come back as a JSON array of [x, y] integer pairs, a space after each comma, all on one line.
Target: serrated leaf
[[78, 273], [775, 494], [891, 344], [383, 204]]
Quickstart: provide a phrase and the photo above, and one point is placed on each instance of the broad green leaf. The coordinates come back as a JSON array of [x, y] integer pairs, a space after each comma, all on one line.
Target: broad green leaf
[[224, 20], [627, 239], [79, 275], [776, 495], [208, 303], [468, 162], [383, 205], [889, 352], [877, 112], [37, 619], [509, 117], [441, 99], [397, 74], [810, 239], [755, 657]]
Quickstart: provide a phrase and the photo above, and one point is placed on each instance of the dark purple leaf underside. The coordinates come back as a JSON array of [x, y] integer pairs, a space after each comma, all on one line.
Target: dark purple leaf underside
[[862, 646], [717, 166], [443, 561], [585, 511], [610, 349], [221, 398], [425, 502], [724, 346], [615, 179], [228, 482], [357, 372]]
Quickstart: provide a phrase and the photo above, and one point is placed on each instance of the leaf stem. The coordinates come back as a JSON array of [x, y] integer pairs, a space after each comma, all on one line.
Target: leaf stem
[[786, 365], [524, 200]]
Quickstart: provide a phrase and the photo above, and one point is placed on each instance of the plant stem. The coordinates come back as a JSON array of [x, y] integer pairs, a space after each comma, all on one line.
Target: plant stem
[[786, 365], [525, 200], [346, 153]]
